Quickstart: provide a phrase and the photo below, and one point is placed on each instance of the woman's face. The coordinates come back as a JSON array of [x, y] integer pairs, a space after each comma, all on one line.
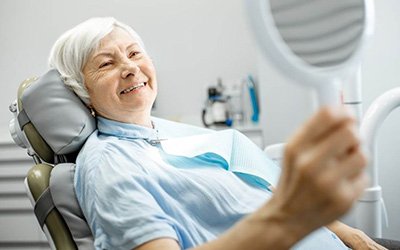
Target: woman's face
[[121, 79]]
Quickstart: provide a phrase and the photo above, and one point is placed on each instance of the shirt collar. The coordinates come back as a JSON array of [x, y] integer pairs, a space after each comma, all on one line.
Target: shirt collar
[[125, 130]]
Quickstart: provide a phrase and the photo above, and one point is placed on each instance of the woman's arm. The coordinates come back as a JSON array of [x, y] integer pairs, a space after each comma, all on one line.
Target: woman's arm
[[352, 237], [322, 176], [261, 230]]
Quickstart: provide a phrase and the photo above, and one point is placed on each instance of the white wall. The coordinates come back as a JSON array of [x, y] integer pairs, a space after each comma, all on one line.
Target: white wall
[[285, 105], [192, 43]]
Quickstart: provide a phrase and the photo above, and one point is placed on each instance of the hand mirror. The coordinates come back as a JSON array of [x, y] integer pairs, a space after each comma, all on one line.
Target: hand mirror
[[316, 42]]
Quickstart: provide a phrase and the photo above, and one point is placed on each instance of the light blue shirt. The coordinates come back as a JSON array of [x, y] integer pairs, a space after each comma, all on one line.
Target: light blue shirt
[[131, 191]]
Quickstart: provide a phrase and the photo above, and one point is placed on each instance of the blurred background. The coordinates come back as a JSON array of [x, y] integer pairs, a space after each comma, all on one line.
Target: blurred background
[[195, 45]]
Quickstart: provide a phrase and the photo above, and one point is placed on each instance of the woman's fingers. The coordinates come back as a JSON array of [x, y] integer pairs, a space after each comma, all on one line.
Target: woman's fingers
[[339, 142], [323, 166], [348, 191], [304, 147], [353, 164], [321, 124], [341, 145]]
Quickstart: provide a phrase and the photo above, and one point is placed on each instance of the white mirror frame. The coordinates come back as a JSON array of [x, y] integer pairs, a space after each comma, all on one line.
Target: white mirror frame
[[325, 80]]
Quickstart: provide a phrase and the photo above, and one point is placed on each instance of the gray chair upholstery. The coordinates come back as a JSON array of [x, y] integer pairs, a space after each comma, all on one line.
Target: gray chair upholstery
[[56, 124]]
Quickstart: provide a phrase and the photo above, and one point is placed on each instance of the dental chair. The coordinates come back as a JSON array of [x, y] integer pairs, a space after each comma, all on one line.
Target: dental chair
[[52, 124]]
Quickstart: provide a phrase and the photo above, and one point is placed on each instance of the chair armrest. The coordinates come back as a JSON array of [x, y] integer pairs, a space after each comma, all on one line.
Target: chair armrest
[[275, 152]]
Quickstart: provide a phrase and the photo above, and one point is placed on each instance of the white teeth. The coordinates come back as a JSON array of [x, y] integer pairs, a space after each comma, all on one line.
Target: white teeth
[[133, 88]]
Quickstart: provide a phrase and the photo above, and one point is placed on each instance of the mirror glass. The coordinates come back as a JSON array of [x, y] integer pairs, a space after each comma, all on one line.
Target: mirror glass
[[323, 33]]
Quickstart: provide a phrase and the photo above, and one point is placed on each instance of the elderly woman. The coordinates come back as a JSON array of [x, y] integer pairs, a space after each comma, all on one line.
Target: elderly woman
[[137, 196]]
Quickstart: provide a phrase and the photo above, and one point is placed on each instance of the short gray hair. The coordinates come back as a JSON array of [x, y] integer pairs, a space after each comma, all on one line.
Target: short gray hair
[[72, 49]]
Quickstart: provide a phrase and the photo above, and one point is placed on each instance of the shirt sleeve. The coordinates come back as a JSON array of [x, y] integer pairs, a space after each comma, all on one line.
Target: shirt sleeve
[[123, 210]]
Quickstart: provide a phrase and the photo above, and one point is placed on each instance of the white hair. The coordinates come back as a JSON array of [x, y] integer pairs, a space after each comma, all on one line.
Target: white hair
[[72, 49]]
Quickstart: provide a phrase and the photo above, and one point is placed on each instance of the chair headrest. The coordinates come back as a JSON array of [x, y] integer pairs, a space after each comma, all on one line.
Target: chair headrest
[[53, 117]]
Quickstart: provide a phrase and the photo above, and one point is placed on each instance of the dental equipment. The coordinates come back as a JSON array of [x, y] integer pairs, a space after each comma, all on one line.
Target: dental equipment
[[319, 42], [370, 205]]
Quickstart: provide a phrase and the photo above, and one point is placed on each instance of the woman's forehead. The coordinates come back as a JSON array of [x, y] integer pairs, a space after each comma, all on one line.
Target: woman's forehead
[[116, 39], [118, 36]]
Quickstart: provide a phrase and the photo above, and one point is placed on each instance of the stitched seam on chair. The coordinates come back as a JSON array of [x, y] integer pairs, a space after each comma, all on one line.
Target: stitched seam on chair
[[73, 139]]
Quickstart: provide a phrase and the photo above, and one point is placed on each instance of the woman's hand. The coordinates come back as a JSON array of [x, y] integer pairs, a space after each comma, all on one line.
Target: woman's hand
[[358, 240], [322, 172], [354, 238]]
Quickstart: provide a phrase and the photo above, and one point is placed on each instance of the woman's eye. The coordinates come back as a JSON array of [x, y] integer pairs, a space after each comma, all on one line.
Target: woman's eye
[[133, 54], [105, 64]]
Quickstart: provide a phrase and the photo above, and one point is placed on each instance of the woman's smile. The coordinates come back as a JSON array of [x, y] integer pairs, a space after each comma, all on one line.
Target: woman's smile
[[134, 89]]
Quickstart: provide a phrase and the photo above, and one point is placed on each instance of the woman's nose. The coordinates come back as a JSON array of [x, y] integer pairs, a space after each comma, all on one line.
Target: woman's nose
[[129, 68]]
